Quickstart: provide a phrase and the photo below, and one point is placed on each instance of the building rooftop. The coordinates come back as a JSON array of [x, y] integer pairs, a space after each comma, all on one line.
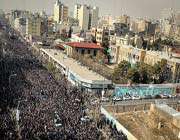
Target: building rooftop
[[85, 45], [74, 66], [169, 110]]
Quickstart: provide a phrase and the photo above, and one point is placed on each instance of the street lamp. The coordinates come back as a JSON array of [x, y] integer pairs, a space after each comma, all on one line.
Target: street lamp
[[17, 116], [101, 62]]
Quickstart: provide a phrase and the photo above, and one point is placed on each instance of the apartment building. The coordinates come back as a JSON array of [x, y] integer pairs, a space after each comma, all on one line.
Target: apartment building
[[33, 25], [60, 12], [86, 15]]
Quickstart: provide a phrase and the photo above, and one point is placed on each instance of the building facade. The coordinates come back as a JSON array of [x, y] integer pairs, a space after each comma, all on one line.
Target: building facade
[[77, 74], [102, 34], [123, 19], [20, 25], [82, 48], [33, 26], [123, 50], [94, 17], [60, 12], [86, 15], [134, 55]]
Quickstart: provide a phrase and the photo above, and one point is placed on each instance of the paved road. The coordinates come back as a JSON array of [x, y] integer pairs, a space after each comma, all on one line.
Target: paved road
[[136, 102]]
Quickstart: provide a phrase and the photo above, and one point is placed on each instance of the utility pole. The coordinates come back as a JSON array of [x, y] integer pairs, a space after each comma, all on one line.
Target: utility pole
[[102, 92], [18, 118]]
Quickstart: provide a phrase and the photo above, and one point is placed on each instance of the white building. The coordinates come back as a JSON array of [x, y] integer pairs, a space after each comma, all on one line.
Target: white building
[[60, 12], [33, 26], [77, 74], [76, 11], [20, 25], [81, 13], [87, 16]]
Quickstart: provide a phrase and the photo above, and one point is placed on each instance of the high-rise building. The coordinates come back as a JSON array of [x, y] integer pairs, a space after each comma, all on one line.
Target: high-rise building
[[18, 14], [20, 25], [87, 16], [81, 13], [94, 16], [105, 21], [44, 23], [33, 26], [177, 19], [76, 11], [60, 12], [123, 19]]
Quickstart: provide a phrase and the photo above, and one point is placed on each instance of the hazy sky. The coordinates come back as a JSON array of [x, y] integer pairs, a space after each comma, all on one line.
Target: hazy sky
[[136, 8]]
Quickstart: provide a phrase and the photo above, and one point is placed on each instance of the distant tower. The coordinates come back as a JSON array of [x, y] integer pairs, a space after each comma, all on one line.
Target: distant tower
[[60, 12], [94, 15], [81, 13], [87, 16]]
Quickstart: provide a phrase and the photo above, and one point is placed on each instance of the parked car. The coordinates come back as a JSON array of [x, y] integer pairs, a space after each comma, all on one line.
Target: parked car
[[157, 96], [172, 95], [127, 97], [164, 95], [147, 97], [117, 98], [136, 97], [105, 99]]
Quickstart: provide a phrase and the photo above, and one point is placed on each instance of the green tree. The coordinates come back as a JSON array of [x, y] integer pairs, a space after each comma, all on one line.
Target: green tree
[[106, 51], [161, 71], [120, 72], [51, 68], [133, 75], [145, 71]]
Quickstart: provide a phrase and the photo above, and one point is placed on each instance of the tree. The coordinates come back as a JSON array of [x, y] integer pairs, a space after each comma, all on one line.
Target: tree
[[133, 75], [167, 42], [106, 51], [145, 71], [120, 72], [51, 68], [161, 72]]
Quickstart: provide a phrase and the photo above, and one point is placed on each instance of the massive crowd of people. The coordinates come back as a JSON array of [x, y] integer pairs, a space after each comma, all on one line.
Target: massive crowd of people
[[110, 129], [33, 105]]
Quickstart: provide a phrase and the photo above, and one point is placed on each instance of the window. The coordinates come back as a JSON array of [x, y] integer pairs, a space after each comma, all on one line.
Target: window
[[89, 51], [82, 51], [95, 52]]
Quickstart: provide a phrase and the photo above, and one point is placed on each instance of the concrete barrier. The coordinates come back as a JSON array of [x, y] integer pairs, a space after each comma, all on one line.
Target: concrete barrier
[[118, 125]]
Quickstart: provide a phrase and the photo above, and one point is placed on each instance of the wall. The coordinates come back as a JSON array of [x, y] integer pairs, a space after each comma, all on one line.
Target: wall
[[117, 108], [118, 125]]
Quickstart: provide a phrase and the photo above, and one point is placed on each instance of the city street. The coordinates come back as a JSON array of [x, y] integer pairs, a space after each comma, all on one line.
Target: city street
[[140, 102]]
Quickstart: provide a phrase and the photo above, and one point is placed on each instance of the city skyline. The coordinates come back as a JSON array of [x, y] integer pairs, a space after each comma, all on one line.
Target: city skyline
[[134, 8]]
